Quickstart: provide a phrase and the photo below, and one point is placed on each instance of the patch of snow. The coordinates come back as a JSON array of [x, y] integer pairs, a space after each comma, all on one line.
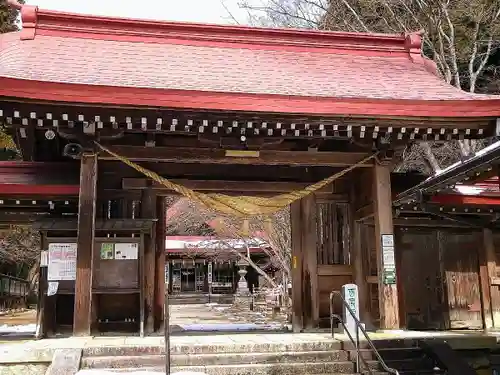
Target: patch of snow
[[211, 327], [25, 328], [104, 372], [469, 190]]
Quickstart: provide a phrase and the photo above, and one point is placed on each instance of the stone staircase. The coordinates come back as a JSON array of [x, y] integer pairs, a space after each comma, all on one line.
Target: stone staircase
[[241, 359], [275, 358], [405, 356]]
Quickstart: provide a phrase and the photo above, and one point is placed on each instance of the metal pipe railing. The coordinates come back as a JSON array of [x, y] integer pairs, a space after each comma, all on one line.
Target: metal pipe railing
[[359, 327]]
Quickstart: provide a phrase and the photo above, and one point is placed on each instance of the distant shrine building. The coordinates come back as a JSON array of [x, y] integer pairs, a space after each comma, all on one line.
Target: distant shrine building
[[240, 110]]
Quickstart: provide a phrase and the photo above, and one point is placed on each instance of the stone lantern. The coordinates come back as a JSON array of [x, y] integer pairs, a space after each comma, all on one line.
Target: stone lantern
[[242, 288]]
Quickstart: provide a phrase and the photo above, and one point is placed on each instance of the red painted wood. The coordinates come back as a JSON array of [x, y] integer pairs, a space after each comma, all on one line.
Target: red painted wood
[[456, 199], [108, 28], [252, 250], [49, 190], [98, 95]]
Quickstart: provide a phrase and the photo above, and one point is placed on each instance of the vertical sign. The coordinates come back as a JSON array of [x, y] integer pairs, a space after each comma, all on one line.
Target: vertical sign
[[209, 273], [167, 273], [351, 296], [210, 279], [388, 260]]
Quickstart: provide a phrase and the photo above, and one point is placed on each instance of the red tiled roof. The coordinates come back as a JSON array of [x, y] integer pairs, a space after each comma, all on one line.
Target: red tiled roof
[[67, 57]]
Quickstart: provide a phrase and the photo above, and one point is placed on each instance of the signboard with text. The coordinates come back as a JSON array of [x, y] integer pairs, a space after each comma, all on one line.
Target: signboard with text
[[388, 259], [61, 262], [351, 296]]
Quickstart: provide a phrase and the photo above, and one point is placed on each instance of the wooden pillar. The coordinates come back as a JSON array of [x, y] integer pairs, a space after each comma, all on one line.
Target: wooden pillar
[[85, 242], [490, 294], [41, 313], [148, 211], [297, 265], [310, 276], [160, 261], [305, 294], [358, 187], [384, 231]]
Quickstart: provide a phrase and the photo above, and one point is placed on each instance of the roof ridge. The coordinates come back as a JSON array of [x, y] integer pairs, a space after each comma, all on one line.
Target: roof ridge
[[56, 23]]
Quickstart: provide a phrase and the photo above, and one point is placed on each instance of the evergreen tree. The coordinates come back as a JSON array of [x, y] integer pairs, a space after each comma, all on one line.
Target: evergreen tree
[[8, 17]]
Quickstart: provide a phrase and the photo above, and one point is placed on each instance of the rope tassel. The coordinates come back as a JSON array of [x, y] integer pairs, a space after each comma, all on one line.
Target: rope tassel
[[240, 206]]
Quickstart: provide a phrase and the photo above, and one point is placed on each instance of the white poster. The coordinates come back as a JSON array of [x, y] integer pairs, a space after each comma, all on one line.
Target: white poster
[[62, 261], [388, 240], [388, 257], [126, 250], [44, 258], [52, 288]]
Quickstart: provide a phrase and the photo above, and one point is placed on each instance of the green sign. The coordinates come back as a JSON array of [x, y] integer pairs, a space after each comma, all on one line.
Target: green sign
[[107, 251], [389, 276]]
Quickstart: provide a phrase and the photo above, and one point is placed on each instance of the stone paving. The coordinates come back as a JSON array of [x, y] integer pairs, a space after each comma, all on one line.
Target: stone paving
[[211, 317]]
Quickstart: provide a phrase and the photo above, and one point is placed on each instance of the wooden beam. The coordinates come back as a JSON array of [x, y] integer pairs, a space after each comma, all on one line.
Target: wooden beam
[[488, 273], [421, 222], [160, 261], [388, 294], [85, 242], [217, 156], [148, 211], [365, 212], [223, 186]]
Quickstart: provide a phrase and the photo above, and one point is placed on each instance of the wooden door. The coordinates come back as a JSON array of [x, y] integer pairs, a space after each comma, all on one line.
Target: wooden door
[[461, 266], [420, 278]]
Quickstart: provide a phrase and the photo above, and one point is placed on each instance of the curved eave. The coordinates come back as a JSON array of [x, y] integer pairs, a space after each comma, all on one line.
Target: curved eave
[[264, 103]]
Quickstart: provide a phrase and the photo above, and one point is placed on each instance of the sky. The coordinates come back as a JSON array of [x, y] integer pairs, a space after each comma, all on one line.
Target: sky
[[207, 11]]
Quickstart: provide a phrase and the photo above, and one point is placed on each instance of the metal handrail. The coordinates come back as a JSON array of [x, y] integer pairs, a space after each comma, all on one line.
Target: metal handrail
[[359, 327]]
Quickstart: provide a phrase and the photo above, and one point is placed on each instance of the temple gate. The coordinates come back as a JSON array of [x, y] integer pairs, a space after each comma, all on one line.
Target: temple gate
[[229, 109]]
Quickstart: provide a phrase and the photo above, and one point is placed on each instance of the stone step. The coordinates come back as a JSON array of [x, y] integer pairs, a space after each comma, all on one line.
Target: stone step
[[398, 344], [264, 347], [403, 353], [161, 370], [221, 359], [495, 359], [390, 354], [257, 369], [414, 364]]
